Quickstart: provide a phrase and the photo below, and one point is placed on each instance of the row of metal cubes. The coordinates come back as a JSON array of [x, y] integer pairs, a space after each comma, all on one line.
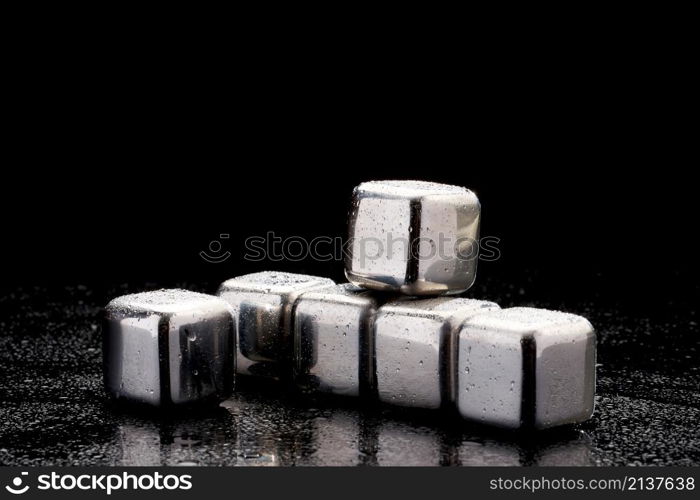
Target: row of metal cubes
[[513, 368], [518, 367]]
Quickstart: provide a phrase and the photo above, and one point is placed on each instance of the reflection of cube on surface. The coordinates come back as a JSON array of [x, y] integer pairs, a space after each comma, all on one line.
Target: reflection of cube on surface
[[263, 304], [168, 347], [333, 340], [400, 444], [525, 367], [413, 237], [415, 349]]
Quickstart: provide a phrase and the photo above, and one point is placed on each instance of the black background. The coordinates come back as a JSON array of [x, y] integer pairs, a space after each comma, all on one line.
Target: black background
[[135, 194], [123, 162]]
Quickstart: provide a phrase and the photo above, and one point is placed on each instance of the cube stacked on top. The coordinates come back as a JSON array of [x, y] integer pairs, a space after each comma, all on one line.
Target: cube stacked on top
[[413, 237], [518, 367]]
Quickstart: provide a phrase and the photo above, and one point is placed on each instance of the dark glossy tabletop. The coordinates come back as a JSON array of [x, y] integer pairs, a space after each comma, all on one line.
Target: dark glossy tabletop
[[53, 410]]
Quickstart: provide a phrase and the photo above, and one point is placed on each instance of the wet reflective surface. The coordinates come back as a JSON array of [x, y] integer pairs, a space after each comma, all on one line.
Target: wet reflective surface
[[53, 409]]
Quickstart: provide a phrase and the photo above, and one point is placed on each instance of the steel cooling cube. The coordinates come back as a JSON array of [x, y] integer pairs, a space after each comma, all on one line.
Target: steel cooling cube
[[333, 341], [526, 367], [415, 349], [168, 347], [263, 304], [413, 237]]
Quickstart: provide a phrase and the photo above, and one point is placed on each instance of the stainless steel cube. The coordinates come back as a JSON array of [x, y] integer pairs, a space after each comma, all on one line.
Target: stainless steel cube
[[168, 347], [413, 237], [415, 343], [333, 340], [263, 304], [526, 367]]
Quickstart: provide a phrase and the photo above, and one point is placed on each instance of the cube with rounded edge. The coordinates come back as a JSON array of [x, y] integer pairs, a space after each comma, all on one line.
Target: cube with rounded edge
[[526, 367], [413, 237], [263, 303], [168, 347], [415, 349], [333, 340]]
